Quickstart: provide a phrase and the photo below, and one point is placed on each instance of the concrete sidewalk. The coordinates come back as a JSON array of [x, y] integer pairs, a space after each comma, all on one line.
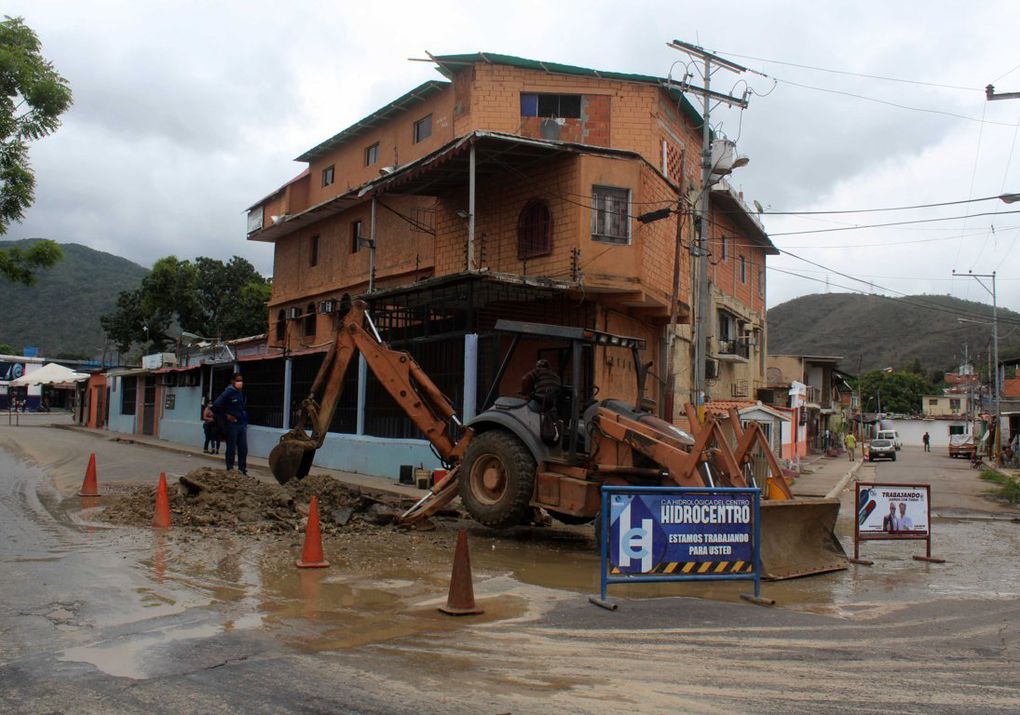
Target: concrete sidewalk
[[823, 476], [820, 476], [257, 466]]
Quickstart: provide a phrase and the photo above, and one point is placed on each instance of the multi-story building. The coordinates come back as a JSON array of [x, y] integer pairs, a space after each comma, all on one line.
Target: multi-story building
[[947, 405], [516, 189]]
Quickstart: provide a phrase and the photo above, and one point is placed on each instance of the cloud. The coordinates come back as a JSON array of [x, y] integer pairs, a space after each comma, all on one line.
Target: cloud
[[185, 113]]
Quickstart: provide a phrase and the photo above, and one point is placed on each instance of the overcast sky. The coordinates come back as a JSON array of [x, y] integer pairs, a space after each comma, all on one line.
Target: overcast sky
[[187, 112]]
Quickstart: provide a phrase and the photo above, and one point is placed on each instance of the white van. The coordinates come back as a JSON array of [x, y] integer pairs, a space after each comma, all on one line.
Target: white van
[[890, 434]]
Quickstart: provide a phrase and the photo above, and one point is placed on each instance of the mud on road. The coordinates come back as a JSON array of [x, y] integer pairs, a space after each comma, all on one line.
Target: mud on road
[[208, 498]]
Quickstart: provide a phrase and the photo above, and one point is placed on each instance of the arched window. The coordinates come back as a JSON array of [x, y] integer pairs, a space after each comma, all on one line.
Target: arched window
[[310, 319], [281, 325], [534, 230]]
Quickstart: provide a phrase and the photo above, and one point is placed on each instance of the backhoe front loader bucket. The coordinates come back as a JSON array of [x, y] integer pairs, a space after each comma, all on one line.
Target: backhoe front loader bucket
[[292, 457], [798, 538]]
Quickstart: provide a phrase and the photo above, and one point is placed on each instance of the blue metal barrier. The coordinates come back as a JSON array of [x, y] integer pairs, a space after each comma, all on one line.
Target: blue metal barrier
[[683, 534]]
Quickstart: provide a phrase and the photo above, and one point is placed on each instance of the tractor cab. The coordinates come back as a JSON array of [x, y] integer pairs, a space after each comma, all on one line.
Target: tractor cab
[[546, 408]]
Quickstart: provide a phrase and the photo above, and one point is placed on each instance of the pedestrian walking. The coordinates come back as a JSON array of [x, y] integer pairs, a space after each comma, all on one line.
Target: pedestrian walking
[[230, 405], [850, 442], [926, 440], [213, 436]]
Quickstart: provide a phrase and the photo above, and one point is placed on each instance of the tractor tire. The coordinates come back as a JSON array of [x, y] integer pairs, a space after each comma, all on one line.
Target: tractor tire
[[497, 480]]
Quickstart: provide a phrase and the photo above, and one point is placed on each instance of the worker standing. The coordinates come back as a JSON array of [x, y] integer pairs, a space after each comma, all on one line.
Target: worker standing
[[850, 442], [230, 406]]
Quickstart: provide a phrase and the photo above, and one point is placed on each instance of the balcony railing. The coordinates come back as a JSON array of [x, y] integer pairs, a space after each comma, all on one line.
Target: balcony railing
[[733, 349]]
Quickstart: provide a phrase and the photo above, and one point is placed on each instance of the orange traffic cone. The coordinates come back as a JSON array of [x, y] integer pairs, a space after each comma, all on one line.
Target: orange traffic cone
[[311, 554], [89, 488], [461, 601], [161, 519]]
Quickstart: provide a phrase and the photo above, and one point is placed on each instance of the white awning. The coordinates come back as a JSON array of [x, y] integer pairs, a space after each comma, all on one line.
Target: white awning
[[49, 374]]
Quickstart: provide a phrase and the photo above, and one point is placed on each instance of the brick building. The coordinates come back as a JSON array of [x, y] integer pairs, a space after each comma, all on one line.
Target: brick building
[[510, 190]]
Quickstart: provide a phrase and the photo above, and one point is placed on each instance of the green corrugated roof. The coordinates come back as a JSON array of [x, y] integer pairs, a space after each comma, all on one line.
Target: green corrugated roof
[[415, 96], [448, 66]]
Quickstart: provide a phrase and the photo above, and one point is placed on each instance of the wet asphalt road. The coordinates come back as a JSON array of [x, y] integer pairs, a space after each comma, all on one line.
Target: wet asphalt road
[[125, 620]]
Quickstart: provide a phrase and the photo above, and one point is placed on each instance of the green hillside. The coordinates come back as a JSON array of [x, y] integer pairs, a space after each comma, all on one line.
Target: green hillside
[[60, 313], [876, 332]]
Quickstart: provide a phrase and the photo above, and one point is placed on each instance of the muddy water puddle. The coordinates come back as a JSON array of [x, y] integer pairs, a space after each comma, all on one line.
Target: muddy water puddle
[[376, 578], [384, 584]]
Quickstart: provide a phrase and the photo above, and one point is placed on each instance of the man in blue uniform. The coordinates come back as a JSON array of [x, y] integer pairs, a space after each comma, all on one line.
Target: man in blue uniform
[[230, 407]]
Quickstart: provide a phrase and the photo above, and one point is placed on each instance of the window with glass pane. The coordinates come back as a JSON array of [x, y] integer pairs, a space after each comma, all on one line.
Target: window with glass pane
[[610, 221]]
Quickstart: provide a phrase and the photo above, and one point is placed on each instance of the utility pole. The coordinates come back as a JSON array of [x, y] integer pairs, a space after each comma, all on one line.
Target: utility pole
[[995, 350], [991, 96], [710, 64]]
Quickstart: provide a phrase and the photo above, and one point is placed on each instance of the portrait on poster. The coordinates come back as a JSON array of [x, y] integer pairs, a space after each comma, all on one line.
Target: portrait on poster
[[892, 510]]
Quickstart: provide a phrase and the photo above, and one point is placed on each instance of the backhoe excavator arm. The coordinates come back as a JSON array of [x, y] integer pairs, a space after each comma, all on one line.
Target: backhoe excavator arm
[[397, 371]]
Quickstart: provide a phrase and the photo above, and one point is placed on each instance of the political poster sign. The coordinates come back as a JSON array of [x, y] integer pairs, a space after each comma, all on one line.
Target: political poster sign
[[892, 512], [894, 509], [677, 534]]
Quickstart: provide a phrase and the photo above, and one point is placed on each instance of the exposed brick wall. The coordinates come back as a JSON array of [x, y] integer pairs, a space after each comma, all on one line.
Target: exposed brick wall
[[632, 282], [396, 147]]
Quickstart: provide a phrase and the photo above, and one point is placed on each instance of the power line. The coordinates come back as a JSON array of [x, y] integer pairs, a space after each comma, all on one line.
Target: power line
[[894, 223], [902, 299], [876, 210], [861, 74], [894, 104], [903, 296]]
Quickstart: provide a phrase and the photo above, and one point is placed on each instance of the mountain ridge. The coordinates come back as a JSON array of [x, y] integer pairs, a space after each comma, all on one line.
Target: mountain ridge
[[872, 332], [60, 313]]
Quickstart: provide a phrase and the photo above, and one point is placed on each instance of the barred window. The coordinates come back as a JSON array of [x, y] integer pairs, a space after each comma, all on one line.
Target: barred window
[[610, 221], [534, 230]]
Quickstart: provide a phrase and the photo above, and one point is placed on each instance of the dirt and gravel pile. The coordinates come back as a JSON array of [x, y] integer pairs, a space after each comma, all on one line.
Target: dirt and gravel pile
[[216, 498]]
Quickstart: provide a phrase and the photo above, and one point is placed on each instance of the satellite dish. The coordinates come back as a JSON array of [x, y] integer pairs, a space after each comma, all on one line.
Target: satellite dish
[[757, 207]]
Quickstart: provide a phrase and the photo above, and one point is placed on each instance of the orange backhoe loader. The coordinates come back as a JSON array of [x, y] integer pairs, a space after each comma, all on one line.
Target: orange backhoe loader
[[556, 451]]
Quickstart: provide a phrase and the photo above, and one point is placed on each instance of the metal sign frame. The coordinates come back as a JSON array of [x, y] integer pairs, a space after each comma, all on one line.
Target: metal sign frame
[[899, 536], [606, 578]]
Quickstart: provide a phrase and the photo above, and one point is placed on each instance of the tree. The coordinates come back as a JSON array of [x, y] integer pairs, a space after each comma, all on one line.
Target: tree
[[32, 98], [207, 297], [894, 391], [19, 265], [7, 349]]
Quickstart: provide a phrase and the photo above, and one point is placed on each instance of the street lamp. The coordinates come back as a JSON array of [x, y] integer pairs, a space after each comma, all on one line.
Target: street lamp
[[1008, 198]]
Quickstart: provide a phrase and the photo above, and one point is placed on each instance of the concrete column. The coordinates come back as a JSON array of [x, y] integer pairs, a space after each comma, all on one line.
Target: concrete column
[[471, 211], [362, 383], [287, 373], [371, 246], [470, 376]]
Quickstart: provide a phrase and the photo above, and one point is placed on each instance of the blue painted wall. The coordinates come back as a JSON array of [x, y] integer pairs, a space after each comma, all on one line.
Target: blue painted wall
[[183, 424]]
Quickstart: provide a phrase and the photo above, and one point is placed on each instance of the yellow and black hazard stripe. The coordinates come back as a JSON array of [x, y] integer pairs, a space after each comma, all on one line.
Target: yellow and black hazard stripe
[[699, 568]]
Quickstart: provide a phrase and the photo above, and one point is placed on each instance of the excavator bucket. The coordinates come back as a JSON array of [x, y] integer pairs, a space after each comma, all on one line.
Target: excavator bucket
[[798, 538], [292, 457]]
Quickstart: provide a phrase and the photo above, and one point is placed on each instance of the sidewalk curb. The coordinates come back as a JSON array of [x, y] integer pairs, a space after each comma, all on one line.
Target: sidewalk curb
[[362, 481], [841, 484]]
